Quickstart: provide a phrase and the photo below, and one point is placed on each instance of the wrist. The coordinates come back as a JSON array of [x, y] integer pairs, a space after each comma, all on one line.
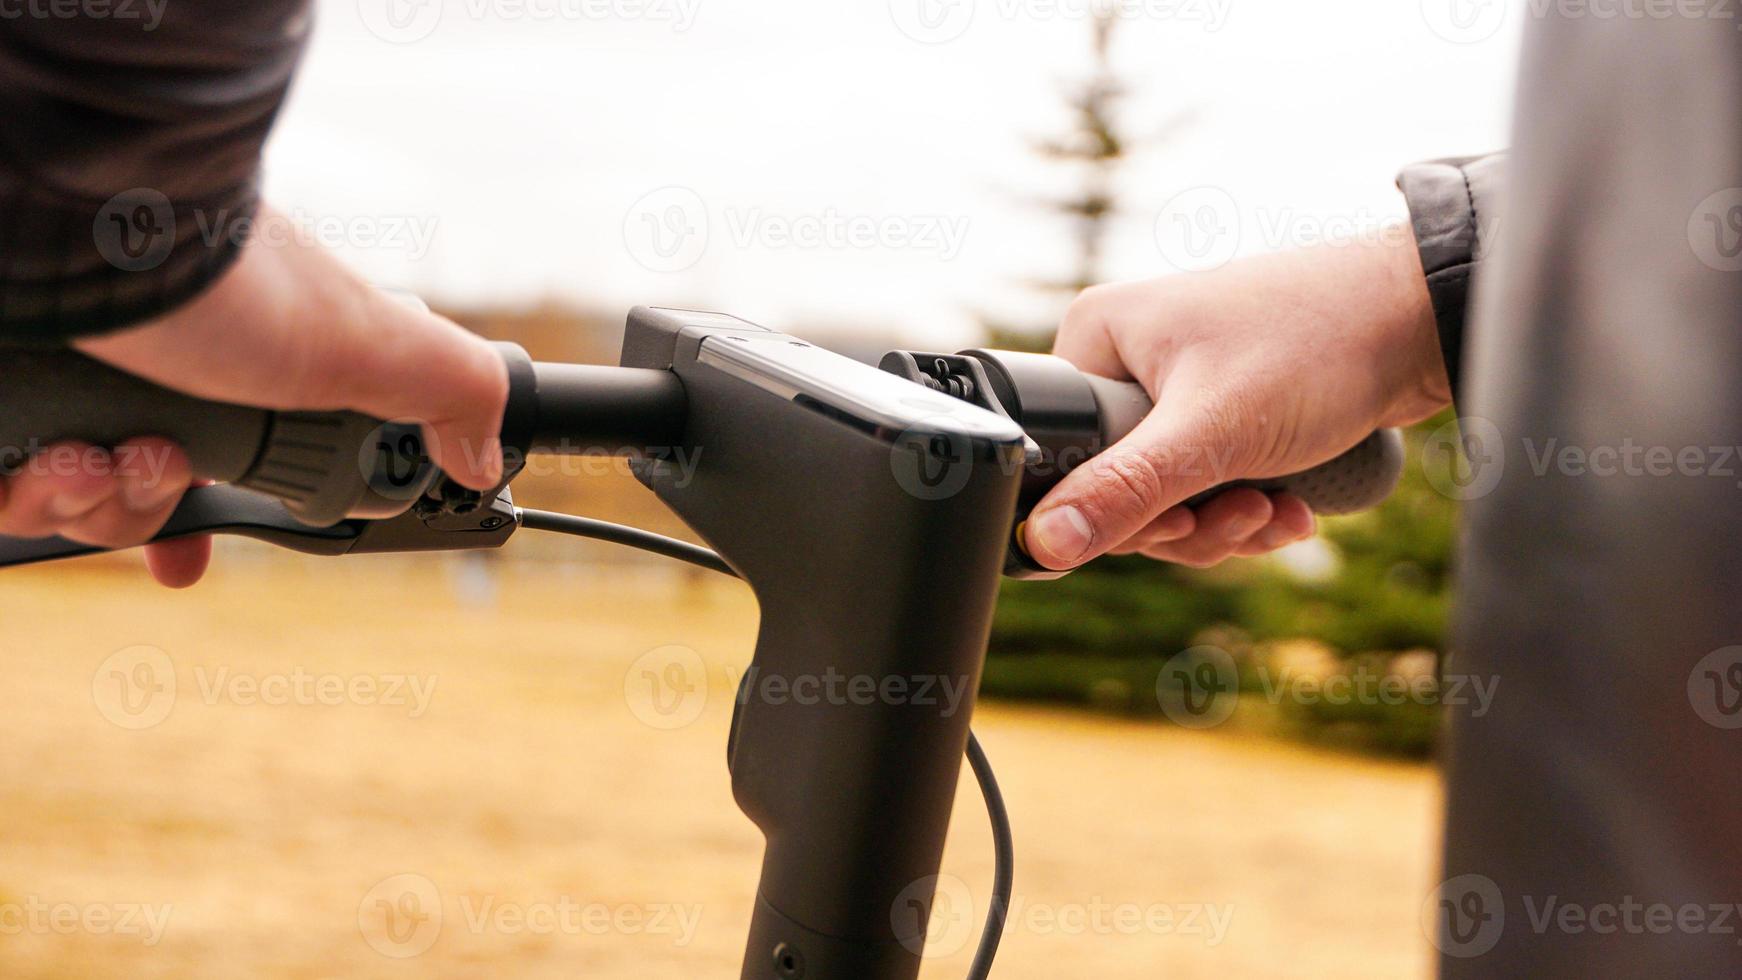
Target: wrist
[[1421, 385]]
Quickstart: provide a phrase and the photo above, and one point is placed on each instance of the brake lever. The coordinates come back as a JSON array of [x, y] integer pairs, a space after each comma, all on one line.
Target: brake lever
[[487, 522]]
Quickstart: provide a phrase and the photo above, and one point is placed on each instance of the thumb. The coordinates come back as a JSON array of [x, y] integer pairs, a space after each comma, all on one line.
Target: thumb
[[1120, 491], [424, 367]]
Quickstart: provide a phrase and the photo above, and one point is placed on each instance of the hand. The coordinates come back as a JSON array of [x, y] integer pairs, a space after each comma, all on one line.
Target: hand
[[286, 327], [1263, 368]]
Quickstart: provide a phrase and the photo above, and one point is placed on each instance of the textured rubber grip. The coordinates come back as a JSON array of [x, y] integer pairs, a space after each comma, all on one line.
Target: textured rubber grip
[[325, 466], [1357, 480]]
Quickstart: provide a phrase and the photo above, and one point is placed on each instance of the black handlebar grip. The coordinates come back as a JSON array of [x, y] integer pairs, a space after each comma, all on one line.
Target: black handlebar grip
[[325, 466], [1358, 479]]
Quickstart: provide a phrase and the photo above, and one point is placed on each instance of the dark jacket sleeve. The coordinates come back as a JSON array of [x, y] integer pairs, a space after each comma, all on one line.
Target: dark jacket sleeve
[[129, 154], [1454, 209]]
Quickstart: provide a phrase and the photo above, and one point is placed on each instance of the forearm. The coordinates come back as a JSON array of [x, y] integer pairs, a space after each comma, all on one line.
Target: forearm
[[130, 154], [1454, 209]]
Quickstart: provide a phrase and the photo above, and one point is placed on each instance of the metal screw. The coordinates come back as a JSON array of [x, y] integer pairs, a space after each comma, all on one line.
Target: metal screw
[[788, 961]]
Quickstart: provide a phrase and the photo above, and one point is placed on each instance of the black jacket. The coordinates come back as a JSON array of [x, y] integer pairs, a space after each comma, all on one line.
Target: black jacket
[[129, 152]]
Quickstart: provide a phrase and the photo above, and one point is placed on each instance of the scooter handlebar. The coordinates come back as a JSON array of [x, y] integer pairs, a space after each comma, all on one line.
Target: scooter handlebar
[[325, 466]]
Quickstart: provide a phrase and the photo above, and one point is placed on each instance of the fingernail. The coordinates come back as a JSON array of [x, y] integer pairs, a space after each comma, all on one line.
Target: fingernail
[[146, 497], [1062, 532]]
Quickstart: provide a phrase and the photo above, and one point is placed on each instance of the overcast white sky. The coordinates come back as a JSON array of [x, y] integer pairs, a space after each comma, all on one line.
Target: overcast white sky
[[616, 152]]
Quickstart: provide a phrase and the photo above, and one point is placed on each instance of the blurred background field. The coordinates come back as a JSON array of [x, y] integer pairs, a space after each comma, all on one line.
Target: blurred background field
[[552, 171], [262, 829]]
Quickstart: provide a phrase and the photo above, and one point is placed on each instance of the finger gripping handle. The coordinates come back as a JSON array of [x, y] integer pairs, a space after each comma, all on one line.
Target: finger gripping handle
[[1358, 479], [325, 466]]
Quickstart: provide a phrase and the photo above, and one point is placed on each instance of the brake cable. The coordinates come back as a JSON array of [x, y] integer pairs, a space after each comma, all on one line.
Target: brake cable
[[1003, 846]]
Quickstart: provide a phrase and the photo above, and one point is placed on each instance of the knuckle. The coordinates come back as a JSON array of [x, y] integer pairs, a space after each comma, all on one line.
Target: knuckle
[[1086, 312], [1129, 482]]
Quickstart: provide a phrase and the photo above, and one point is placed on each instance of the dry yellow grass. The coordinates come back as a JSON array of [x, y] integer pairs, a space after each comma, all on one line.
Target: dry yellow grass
[[260, 830]]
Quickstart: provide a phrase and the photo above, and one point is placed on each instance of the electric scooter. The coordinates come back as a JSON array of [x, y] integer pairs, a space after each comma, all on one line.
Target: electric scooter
[[871, 511]]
